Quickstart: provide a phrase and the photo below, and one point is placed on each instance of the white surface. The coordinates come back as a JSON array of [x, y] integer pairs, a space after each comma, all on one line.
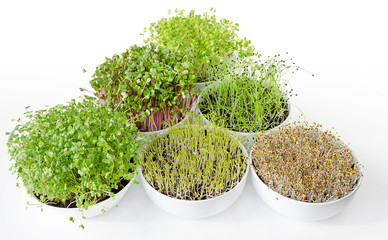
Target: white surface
[[45, 45]]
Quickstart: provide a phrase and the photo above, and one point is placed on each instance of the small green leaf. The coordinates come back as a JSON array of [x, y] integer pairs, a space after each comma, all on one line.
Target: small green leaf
[[124, 95]]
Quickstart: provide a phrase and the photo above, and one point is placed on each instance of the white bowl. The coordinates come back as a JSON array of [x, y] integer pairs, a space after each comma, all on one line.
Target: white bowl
[[297, 209], [247, 139], [92, 211], [195, 209]]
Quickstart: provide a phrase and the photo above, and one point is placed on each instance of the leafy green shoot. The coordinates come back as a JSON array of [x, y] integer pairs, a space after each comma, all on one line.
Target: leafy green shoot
[[148, 84], [210, 39], [74, 155]]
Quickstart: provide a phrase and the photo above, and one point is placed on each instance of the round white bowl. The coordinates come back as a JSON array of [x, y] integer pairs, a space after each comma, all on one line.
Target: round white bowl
[[195, 209], [297, 209], [92, 211]]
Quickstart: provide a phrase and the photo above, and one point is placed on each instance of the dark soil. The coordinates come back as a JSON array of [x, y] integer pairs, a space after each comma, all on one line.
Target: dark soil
[[71, 203]]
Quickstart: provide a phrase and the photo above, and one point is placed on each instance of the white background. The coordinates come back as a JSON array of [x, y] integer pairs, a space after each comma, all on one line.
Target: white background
[[45, 45]]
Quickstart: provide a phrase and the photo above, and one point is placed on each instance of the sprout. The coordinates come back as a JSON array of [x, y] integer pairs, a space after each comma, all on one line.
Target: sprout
[[248, 96], [74, 155], [193, 162], [150, 85], [210, 40], [302, 162]]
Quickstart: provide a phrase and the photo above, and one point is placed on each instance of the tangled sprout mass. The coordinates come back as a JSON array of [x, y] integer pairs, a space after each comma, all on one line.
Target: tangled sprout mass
[[304, 163]]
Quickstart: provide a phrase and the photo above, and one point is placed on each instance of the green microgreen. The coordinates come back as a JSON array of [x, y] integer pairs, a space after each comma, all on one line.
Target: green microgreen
[[148, 84], [248, 96], [211, 40], [193, 162], [302, 162], [73, 155]]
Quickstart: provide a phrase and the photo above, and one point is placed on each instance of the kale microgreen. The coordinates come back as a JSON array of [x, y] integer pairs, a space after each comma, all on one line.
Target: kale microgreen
[[149, 84], [75, 154], [211, 40]]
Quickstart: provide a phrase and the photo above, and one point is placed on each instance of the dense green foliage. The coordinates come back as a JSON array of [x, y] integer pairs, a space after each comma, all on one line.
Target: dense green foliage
[[211, 40], [149, 84], [76, 153], [193, 162]]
